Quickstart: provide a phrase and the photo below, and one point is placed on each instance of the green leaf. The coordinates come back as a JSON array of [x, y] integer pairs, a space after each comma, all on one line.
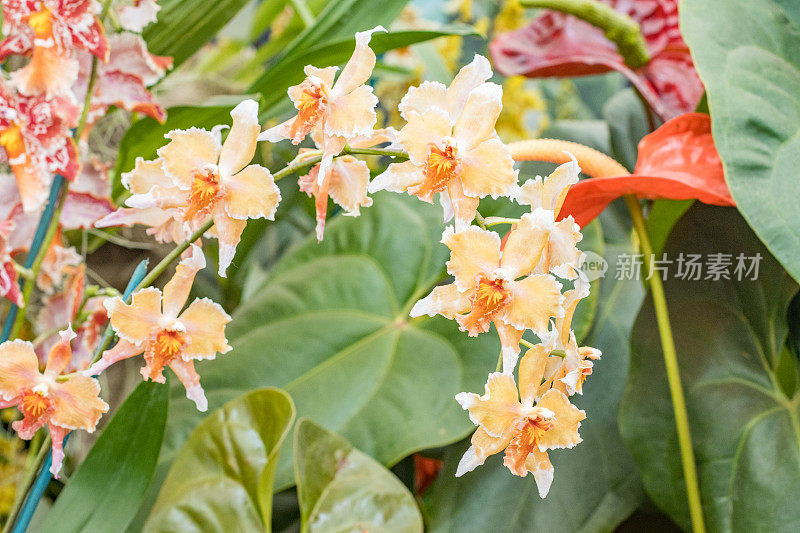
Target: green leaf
[[627, 124], [224, 473], [145, 136], [661, 218], [343, 489], [729, 335], [105, 492], [595, 485], [184, 26], [747, 55], [331, 327], [288, 70]]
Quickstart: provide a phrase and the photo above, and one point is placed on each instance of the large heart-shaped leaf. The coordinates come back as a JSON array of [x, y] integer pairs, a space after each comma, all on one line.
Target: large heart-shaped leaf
[[596, 485], [343, 489], [729, 335], [107, 489], [748, 55], [224, 473], [331, 327]]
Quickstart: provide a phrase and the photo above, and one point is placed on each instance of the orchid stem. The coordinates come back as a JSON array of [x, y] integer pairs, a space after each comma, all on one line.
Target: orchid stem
[[673, 373]]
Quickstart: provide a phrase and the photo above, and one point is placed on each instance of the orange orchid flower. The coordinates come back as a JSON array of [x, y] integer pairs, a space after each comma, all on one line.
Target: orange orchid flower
[[452, 144], [63, 403], [526, 429], [339, 110], [495, 283], [153, 325], [346, 183]]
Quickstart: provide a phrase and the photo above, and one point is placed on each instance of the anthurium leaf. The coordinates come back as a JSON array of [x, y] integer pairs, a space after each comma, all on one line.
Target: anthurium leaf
[[343, 489], [288, 70], [729, 335], [223, 474], [627, 124], [747, 55], [105, 492], [596, 485], [184, 26], [331, 327]]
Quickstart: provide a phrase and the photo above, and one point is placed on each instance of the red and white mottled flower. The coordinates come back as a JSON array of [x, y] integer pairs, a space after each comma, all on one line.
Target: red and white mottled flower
[[9, 284], [346, 183], [340, 110], [526, 429], [123, 80], [62, 403], [50, 31], [452, 144], [153, 325], [68, 307], [494, 284], [136, 16], [34, 133]]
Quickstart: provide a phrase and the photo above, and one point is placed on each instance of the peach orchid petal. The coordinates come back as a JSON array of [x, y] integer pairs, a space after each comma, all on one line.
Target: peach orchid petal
[[422, 132], [229, 233], [352, 114], [205, 325], [564, 257], [467, 80], [464, 206], [488, 170], [252, 193], [359, 67], [177, 289], [326, 75], [445, 300], [240, 145], [398, 177], [509, 343], [136, 321], [524, 245], [483, 445], [191, 381], [188, 152], [145, 175], [564, 433], [60, 354], [538, 463], [77, 404], [535, 300], [531, 372], [473, 252], [549, 193], [348, 184], [19, 367], [122, 350], [476, 122], [51, 71], [429, 94], [498, 408]]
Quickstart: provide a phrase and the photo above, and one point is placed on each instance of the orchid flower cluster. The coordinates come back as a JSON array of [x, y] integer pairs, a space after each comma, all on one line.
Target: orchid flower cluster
[[200, 186]]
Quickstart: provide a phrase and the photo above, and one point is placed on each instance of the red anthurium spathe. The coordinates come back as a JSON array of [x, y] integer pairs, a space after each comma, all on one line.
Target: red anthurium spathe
[[678, 161], [556, 44]]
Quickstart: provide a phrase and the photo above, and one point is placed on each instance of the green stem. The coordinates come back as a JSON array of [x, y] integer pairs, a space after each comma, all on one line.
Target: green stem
[[673, 374], [617, 27], [31, 470]]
